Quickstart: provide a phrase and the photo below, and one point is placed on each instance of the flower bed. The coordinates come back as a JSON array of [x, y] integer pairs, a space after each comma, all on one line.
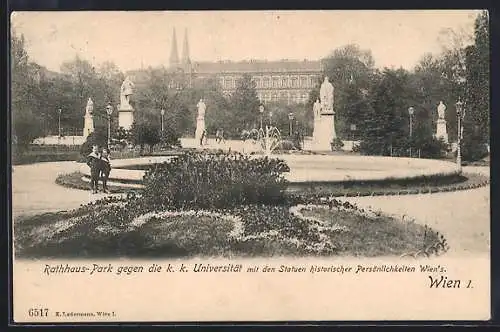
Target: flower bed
[[122, 227], [220, 205]]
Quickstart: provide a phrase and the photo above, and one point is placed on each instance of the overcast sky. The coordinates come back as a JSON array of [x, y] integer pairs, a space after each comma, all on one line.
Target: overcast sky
[[129, 39]]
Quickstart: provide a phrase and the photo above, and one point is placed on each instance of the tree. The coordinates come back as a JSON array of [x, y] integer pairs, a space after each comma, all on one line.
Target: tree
[[478, 82], [351, 70], [433, 87], [244, 105], [388, 118], [24, 86], [476, 124], [145, 131], [84, 81]]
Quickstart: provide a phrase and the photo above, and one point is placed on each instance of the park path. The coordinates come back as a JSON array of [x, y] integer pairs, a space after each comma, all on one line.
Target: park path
[[34, 189], [463, 216]]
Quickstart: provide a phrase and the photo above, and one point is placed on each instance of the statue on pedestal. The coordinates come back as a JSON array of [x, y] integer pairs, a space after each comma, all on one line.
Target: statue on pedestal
[[126, 91], [324, 119], [125, 110], [326, 95], [200, 120], [89, 109], [88, 124], [441, 109], [441, 131]]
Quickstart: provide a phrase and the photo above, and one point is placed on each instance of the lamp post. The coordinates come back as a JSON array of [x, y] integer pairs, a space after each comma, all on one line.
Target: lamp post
[[59, 111], [459, 106], [109, 111], [291, 117], [162, 114], [261, 110], [411, 111], [270, 118]]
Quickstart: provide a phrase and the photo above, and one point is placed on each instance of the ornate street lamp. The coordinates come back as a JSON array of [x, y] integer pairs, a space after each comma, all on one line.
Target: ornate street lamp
[[162, 114], [59, 111], [411, 111], [261, 110], [290, 118], [460, 116], [109, 111]]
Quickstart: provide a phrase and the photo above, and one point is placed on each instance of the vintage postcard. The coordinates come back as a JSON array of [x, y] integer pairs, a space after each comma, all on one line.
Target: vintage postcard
[[203, 166]]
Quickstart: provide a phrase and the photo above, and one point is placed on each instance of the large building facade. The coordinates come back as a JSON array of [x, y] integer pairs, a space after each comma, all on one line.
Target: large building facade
[[285, 80]]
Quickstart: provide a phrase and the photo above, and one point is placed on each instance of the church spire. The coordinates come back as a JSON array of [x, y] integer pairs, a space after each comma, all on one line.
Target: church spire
[[174, 56], [185, 50]]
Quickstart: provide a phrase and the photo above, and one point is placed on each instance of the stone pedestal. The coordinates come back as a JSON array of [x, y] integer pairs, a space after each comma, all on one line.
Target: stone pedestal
[[441, 130], [324, 132], [88, 125], [125, 118]]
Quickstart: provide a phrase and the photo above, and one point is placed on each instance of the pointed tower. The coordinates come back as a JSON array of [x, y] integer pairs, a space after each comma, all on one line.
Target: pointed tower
[[186, 61], [174, 55]]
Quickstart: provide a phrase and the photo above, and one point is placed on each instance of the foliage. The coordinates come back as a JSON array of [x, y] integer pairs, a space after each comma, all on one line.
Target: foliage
[[478, 79], [351, 71], [337, 144], [145, 131], [28, 157], [98, 137], [214, 180], [24, 92], [388, 114], [303, 226], [244, 105], [473, 146]]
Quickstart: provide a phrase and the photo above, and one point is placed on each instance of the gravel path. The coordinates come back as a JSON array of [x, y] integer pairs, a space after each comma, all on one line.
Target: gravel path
[[34, 189], [463, 216]]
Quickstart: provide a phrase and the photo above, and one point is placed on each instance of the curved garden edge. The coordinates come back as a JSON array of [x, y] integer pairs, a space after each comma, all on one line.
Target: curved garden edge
[[54, 234], [80, 181]]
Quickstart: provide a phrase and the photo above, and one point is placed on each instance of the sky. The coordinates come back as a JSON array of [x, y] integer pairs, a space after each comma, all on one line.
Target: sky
[[135, 39]]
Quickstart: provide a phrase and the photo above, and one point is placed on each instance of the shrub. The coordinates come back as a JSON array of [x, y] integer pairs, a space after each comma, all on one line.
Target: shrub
[[169, 137], [287, 145], [337, 144], [432, 147], [214, 180], [98, 137], [473, 147]]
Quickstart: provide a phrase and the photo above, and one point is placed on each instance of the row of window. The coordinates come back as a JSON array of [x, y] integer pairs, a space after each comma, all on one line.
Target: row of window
[[283, 96], [274, 82]]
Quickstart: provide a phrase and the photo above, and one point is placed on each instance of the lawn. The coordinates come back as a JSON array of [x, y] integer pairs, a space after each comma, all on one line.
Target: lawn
[[327, 229]]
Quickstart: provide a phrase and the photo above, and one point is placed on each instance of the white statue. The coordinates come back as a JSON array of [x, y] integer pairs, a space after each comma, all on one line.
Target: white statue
[[201, 109], [317, 108], [90, 107], [200, 121], [441, 109], [326, 95], [126, 91], [88, 124]]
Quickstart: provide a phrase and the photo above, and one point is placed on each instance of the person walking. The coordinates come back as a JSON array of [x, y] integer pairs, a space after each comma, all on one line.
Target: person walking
[[221, 137], [93, 161], [105, 169], [203, 137]]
